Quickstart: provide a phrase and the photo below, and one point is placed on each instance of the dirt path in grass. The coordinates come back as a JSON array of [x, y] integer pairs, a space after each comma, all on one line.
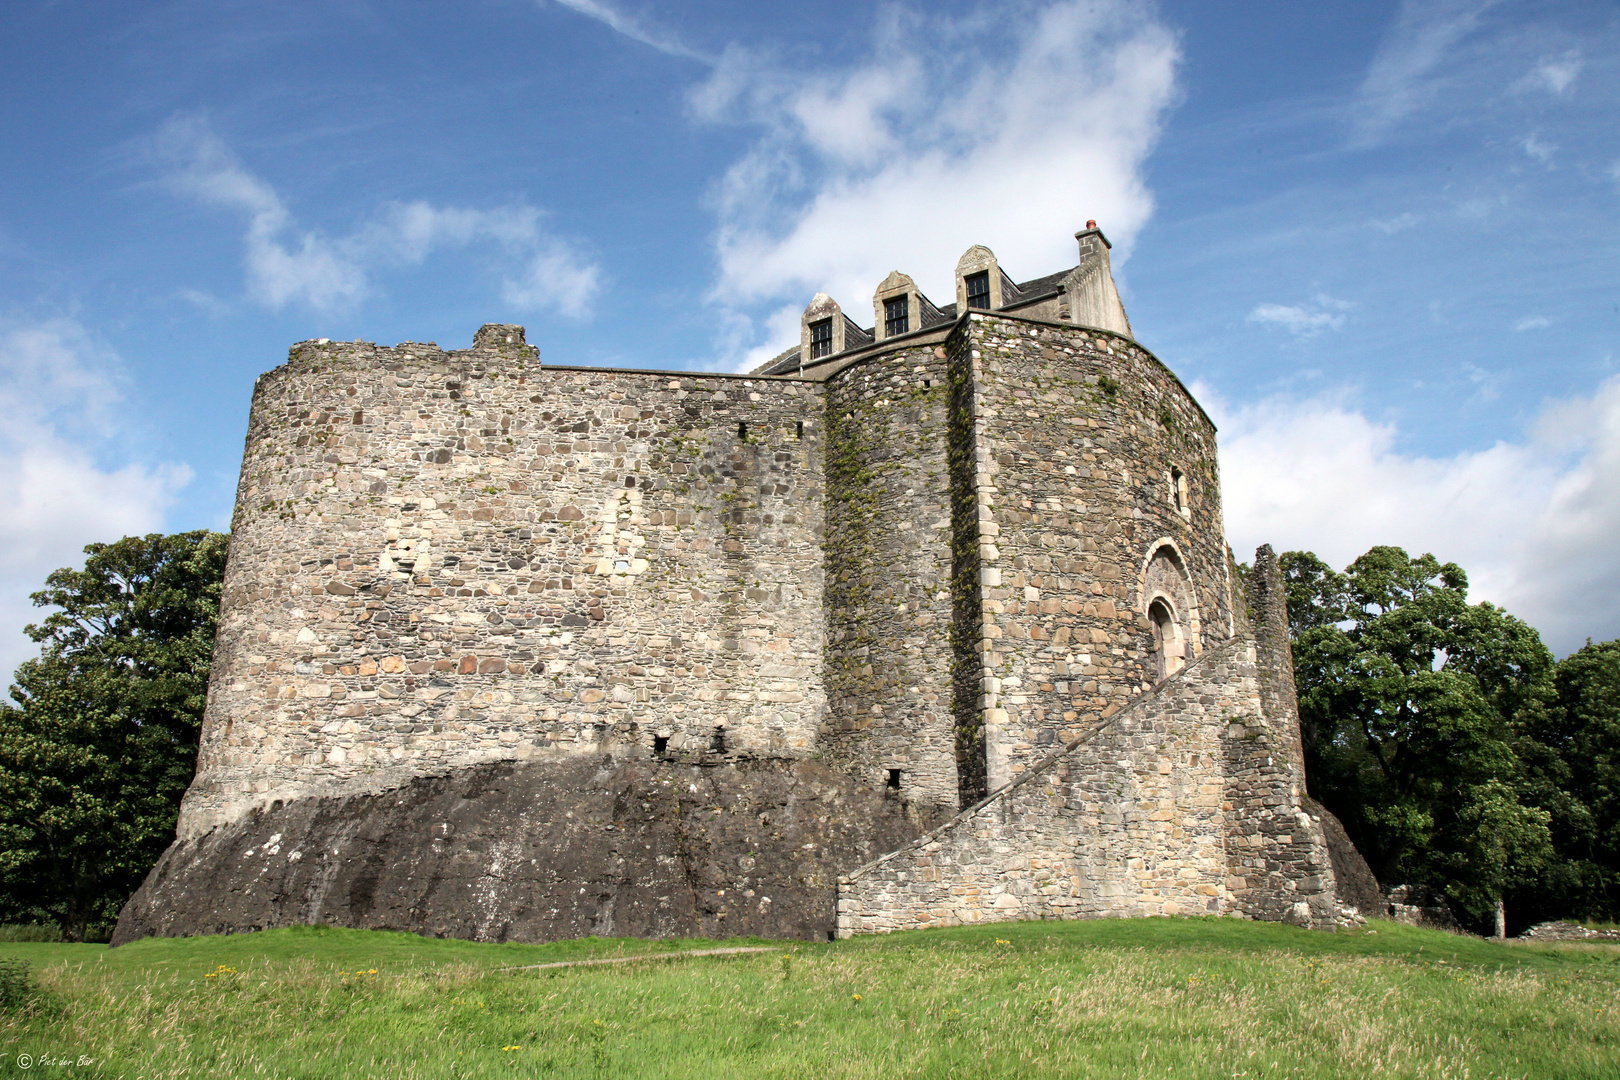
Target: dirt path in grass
[[648, 956]]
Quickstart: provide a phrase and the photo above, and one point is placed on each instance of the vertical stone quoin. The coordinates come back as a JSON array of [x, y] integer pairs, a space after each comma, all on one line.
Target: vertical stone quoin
[[924, 623]]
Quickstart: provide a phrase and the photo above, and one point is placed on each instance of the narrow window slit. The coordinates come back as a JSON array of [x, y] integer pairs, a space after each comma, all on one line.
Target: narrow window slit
[[798, 432], [742, 430], [660, 744], [894, 779]]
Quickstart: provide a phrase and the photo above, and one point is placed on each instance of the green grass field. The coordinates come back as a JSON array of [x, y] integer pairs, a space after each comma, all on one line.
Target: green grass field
[[1117, 998]]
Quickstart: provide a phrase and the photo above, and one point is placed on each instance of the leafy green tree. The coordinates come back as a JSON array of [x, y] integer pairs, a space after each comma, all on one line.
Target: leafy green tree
[[1408, 695], [1571, 748], [101, 742]]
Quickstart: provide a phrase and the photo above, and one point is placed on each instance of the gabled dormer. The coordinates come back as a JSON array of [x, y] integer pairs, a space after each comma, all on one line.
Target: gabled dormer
[[979, 281], [895, 307], [821, 329]]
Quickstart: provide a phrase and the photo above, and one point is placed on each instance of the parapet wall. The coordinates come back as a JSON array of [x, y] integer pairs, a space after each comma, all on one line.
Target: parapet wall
[[445, 558]]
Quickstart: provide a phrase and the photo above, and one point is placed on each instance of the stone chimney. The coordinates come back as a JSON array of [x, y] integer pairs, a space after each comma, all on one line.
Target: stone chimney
[[1092, 298]]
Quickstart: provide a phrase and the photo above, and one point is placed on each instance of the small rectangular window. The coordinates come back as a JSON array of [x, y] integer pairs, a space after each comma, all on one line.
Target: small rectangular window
[[660, 744], [820, 339], [894, 779], [978, 290], [896, 316]]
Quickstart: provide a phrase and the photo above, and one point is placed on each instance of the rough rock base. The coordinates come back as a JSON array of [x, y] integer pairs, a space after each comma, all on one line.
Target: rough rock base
[[539, 852]]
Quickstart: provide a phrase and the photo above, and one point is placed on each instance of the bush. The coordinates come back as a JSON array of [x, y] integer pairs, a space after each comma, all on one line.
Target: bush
[[29, 932]]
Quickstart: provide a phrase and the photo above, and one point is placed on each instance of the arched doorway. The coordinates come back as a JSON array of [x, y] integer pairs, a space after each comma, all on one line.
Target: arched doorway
[[1171, 607], [1169, 643]]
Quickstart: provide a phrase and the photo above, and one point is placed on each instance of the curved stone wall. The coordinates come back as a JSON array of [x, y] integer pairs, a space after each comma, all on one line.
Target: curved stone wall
[[1082, 436], [445, 558], [888, 561]]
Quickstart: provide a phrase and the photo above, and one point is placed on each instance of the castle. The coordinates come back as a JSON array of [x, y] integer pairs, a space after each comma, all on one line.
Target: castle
[[923, 624]]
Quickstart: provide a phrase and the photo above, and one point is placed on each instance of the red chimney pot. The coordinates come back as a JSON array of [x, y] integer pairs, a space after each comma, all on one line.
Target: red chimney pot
[[1091, 224]]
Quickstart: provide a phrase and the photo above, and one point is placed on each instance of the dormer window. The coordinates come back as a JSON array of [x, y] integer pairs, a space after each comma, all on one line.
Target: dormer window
[[896, 316], [978, 290], [821, 339]]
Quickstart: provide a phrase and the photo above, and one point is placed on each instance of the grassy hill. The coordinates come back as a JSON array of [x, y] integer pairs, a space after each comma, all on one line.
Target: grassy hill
[[1133, 998]]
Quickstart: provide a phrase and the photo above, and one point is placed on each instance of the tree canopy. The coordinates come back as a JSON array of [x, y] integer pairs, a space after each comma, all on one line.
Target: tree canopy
[[100, 740], [1445, 737]]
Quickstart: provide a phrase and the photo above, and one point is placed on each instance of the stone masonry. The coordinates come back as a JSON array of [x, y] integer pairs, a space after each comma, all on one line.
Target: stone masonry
[[953, 588]]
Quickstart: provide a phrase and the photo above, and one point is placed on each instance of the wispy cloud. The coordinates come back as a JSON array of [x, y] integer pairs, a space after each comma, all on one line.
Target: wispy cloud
[[1524, 518], [1535, 148], [1398, 223], [1532, 322], [1305, 320], [1007, 132], [552, 274], [285, 264], [68, 480], [1554, 75], [1402, 76], [634, 29], [282, 263]]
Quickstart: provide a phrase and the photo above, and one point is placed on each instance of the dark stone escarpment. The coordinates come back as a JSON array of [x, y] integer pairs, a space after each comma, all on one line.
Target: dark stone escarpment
[[538, 852]]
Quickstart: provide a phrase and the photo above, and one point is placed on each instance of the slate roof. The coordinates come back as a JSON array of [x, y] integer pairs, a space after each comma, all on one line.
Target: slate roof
[[855, 337]]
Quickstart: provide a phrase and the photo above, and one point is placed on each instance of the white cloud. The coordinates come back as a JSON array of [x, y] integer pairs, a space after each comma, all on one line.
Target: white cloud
[[1308, 320], [1554, 75], [286, 265], [633, 28], [1396, 224], [280, 267], [1534, 522], [60, 393], [551, 273], [1541, 151], [1005, 131], [1532, 322], [554, 278], [1401, 77]]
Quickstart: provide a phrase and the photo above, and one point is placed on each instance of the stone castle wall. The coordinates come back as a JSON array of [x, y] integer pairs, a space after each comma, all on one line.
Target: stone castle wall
[[441, 558], [1077, 434], [888, 660], [1172, 805], [1127, 820], [922, 576]]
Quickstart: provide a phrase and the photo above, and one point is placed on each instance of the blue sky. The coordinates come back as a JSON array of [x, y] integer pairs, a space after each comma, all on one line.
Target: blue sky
[[1378, 239]]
